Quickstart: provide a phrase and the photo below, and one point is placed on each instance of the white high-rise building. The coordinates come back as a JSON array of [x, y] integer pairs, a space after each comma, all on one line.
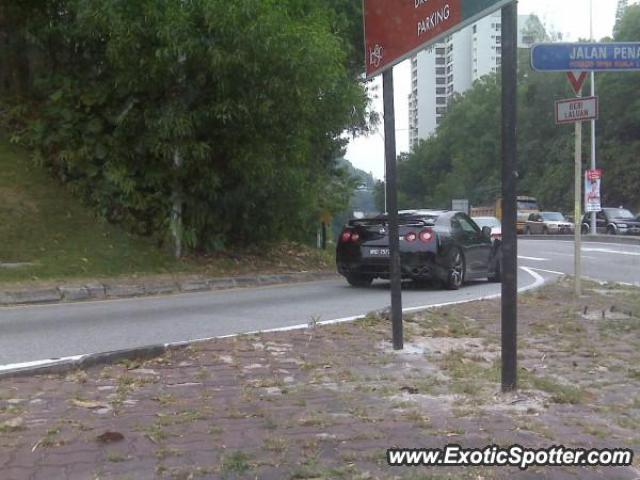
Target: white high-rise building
[[452, 66]]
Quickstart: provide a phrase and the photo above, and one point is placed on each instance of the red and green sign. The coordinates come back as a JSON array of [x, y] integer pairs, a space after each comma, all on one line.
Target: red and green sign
[[396, 29]]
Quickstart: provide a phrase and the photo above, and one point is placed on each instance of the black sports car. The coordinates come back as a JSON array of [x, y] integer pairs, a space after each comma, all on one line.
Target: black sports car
[[436, 245]]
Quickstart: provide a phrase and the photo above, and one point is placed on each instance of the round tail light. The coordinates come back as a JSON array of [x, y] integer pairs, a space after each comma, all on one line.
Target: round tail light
[[426, 236], [411, 237], [346, 236]]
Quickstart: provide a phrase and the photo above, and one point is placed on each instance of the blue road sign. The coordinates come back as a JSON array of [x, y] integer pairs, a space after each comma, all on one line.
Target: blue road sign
[[586, 57]]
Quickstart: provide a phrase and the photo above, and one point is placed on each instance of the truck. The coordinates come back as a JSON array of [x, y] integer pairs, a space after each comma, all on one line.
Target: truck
[[525, 206]]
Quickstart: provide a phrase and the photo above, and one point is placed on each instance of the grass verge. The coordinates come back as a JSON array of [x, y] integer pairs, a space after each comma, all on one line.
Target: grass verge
[[43, 226]]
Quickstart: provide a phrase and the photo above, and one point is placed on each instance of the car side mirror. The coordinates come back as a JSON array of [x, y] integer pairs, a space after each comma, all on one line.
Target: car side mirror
[[486, 231]]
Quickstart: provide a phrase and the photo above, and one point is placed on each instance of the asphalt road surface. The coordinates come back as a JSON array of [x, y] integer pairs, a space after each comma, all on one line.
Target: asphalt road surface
[[600, 261], [52, 331]]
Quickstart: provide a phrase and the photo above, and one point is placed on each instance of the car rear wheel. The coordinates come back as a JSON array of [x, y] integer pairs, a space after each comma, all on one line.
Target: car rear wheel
[[545, 231], [585, 229], [359, 280], [456, 270], [611, 230]]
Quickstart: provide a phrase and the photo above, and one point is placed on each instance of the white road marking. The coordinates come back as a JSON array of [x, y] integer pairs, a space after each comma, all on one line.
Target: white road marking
[[558, 254], [533, 259], [608, 250], [538, 281], [552, 272], [39, 363]]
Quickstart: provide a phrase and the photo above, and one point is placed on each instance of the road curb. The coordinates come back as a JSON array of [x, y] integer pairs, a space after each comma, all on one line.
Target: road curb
[[61, 366], [631, 240], [65, 365], [100, 291]]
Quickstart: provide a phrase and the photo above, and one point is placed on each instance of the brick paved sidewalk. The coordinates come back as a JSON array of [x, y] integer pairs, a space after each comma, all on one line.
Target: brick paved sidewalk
[[326, 402]]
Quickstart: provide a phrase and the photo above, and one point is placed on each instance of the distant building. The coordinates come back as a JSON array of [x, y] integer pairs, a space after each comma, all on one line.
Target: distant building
[[452, 66]]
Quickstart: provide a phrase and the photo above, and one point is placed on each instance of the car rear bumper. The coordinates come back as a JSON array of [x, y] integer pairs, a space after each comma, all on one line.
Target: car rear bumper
[[421, 266]]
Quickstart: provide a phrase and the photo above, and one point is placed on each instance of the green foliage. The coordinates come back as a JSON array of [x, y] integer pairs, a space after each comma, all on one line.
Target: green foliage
[[619, 124], [463, 159], [235, 106], [42, 224]]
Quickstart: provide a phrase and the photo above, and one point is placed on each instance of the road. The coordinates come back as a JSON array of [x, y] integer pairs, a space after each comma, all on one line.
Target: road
[[52, 331], [601, 261]]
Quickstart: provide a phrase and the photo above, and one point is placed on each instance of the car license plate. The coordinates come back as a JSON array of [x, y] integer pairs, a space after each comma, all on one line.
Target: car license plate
[[379, 252]]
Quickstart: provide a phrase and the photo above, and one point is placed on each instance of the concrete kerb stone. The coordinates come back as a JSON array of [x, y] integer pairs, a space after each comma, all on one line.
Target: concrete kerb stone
[[99, 291], [74, 294], [221, 283], [124, 291], [194, 286], [66, 365], [33, 296], [161, 289]]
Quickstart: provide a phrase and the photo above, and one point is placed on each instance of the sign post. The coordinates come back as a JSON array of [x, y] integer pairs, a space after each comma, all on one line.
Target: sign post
[[392, 209], [583, 57], [395, 30], [509, 312], [577, 110], [577, 213]]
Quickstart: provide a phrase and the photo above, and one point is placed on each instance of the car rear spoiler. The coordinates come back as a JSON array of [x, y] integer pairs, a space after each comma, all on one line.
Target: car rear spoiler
[[403, 220]]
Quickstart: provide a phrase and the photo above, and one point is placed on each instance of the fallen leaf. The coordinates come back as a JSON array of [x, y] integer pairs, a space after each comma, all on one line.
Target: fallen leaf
[[110, 437]]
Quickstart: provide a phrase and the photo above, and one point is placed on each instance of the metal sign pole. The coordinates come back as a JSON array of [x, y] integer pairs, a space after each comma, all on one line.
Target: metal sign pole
[[593, 122], [509, 188], [577, 212], [593, 150], [392, 208]]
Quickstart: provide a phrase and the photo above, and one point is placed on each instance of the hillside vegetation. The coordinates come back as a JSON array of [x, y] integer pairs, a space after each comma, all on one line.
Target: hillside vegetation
[[43, 224], [230, 112]]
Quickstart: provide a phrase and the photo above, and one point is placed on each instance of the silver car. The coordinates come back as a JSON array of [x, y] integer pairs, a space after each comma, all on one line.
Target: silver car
[[545, 223]]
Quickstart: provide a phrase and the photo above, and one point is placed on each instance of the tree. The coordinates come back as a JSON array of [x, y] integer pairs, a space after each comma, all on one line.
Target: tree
[[463, 160], [619, 124], [251, 95]]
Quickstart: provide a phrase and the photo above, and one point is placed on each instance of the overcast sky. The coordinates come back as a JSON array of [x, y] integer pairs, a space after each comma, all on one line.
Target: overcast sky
[[569, 17]]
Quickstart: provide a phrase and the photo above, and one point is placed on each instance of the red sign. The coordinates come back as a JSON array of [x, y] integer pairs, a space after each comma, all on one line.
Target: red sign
[[577, 82], [395, 29], [576, 110], [593, 175]]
